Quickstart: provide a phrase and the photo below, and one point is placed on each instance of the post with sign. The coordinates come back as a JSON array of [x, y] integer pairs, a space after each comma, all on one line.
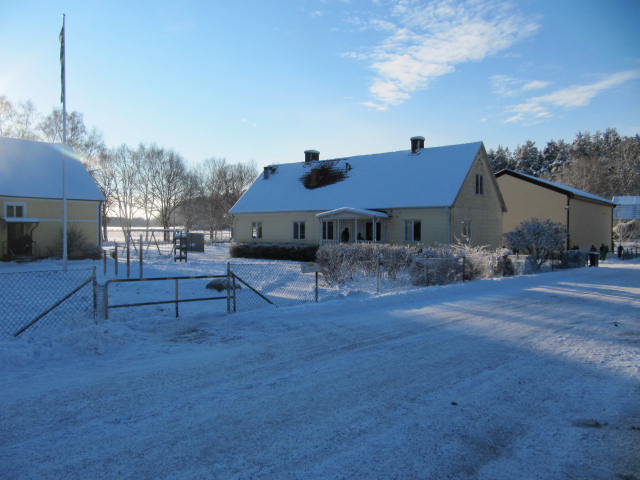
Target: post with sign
[[311, 267]]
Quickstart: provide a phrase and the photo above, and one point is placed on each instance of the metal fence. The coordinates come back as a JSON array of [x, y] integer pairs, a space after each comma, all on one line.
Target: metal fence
[[37, 300], [281, 283]]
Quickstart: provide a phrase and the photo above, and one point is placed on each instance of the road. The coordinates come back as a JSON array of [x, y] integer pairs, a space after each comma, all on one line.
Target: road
[[533, 378]]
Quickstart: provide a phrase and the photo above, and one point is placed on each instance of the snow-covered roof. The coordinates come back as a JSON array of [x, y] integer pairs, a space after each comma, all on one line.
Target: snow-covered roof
[[627, 200], [627, 207], [557, 186], [430, 178], [360, 212], [34, 169]]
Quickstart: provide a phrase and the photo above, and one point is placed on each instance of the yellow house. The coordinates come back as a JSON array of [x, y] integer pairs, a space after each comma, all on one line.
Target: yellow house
[[31, 198], [429, 196], [587, 217]]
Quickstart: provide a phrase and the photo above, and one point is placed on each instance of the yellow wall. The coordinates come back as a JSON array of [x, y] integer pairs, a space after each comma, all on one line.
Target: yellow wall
[[276, 227], [526, 200], [434, 223], [589, 224], [82, 216], [483, 211]]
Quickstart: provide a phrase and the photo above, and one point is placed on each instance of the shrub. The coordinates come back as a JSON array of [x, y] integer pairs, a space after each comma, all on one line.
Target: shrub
[[300, 253], [78, 247], [573, 259], [339, 263], [454, 263], [539, 238]]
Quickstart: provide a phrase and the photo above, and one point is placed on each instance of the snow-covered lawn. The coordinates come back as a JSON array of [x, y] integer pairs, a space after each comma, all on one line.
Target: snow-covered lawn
[[526, 377]]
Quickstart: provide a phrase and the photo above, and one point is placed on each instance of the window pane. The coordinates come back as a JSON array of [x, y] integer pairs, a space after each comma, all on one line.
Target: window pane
[[301, 231], [19, 212], [407, 230], [295, 230], [259, 229], [330, 231], [416, 230], [10, 211]]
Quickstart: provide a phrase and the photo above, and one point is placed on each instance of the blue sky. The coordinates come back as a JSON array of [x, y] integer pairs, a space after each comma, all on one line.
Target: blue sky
[[265, 80]]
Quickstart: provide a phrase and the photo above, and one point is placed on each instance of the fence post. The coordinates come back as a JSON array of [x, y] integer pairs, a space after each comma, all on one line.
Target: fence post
[[140, 255], [104, 262], [129, 256], [94, 284], [228, 285], [177, 297], [378, 273], [316, 287], [235, 306], [115, 259], [106, 300]]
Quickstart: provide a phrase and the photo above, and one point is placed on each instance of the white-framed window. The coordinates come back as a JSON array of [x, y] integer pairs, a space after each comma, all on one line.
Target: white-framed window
[[15, 209], [412, 231], [327, 230], [256, 230], [479, 184], [298, 230]]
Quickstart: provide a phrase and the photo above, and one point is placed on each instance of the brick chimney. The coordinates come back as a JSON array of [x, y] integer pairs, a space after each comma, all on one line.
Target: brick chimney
[[417, 144], [311, 156]]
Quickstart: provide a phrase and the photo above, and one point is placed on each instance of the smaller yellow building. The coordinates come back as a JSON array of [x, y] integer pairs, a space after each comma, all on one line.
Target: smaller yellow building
[[31, 198], [587, 217]]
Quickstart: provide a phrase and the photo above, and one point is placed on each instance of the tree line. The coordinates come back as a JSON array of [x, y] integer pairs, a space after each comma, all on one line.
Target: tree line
[[604, 163], [146, 181]]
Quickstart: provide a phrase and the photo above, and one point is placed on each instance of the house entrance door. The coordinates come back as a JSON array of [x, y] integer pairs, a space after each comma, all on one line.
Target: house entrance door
[[17, 240]]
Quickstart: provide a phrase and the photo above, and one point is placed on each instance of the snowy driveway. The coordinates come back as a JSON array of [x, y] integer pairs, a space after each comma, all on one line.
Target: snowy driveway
[[530, 377]]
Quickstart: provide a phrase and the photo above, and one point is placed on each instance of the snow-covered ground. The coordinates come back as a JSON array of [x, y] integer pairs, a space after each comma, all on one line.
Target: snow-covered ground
[[527, 377]]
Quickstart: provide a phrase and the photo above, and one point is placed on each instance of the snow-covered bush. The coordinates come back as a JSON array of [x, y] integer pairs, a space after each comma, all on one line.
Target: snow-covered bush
[[454, 263], [341, 262], [538, 238], [428, 271]]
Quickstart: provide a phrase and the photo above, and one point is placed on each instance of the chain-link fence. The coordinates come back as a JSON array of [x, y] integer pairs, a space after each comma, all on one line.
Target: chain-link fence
[[45, 299], [278, 283]]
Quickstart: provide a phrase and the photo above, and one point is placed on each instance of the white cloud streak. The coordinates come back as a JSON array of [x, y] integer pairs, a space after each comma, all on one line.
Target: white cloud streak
[[540, 107], [426, 41]]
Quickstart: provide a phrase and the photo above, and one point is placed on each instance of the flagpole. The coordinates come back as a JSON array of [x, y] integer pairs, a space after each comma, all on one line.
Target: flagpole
[[64, 142]]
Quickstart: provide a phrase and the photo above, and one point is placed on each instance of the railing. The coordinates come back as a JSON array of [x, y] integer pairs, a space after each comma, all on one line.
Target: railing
[[229, 287]]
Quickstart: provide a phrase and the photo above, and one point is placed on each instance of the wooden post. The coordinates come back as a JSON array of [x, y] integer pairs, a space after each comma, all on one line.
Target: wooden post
[[128, 258], [228, 285], [177, 297], [140, 261], [104, 262], [115, 259]]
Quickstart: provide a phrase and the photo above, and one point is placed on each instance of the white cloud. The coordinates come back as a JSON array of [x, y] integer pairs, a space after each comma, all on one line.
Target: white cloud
[[535, 85], [571, 97], [426, 41], [507, 86]]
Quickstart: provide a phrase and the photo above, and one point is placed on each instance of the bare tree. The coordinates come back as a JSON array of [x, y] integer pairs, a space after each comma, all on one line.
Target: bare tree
[[24, 118], [125, 185], [167, 184], [213, 173], [7, 114]]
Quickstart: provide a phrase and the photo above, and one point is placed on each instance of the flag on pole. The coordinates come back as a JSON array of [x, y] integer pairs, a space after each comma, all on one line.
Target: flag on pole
[[62, 92]]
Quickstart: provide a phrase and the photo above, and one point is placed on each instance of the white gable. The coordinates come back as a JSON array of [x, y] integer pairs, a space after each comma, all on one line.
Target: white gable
[[431, 178], [34, 169]]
